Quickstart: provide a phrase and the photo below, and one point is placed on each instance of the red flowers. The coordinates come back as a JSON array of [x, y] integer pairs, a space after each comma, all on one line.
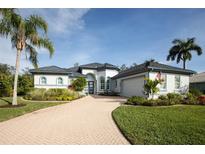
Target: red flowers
[[201, 100]]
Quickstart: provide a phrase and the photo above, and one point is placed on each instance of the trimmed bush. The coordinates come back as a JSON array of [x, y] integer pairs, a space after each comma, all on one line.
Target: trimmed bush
[[136, 100], [174, 98], [190, 99], [163, 97], [79, 84]]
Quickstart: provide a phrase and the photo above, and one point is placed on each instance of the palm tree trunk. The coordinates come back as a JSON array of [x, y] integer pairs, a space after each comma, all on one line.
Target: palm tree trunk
[[14, 102], [184, 64]]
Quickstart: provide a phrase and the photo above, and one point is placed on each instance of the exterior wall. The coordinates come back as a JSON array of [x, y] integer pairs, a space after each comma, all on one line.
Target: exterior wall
[[170, 83], [51, 81]]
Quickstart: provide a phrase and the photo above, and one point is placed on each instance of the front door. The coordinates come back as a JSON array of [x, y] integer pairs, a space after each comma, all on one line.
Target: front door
[[91, 87]]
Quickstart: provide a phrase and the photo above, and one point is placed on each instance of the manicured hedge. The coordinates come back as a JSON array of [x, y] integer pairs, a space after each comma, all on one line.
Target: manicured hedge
[[169, 99]]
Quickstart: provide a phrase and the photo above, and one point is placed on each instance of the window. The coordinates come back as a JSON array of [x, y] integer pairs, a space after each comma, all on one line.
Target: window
[[60, 81], [164, 82], [177, 81], [43, 80], [108, 83], [102, 83]]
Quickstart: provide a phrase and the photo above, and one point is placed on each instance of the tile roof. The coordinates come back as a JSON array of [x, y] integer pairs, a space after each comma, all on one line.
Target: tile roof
[[99, 66], [152, 66], [200, 77], [49, 70], [73, 71]]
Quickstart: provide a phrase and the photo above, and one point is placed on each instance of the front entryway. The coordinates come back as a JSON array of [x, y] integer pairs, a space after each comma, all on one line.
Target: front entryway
[[91, 87]]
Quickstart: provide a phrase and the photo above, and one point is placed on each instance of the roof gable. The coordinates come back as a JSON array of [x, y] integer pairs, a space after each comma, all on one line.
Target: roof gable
[[152, 66]]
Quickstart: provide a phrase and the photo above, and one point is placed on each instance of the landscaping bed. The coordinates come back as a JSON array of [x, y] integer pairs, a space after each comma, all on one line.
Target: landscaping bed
[[53, 95], [179, 124]]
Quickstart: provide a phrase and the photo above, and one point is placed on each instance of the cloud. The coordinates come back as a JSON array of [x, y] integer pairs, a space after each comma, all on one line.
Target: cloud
[[60, 21]]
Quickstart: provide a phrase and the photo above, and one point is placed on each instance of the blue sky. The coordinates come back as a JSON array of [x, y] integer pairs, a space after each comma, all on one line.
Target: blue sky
[[117, 36]]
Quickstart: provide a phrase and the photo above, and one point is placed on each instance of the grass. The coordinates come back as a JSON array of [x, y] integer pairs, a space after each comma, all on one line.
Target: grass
[[8, 112], [184, 124]]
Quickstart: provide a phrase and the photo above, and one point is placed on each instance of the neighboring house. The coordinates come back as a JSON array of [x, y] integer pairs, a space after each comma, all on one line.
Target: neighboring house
[[97, 76], [197, 81], [131, 82]]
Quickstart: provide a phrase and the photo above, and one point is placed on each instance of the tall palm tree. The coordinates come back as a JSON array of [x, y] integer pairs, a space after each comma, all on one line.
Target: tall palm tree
[[182, 50], [26, 34]]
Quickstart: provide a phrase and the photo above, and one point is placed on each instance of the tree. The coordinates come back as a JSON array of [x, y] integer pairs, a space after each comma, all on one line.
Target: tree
[[6, 80], [25, 83], [123, 67], [26, 34], [150, 88], [79, 84], [182, 50], [76, 64]]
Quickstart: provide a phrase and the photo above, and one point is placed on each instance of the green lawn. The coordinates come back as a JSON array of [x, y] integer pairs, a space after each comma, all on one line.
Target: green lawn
[[8, 112], [162, 125]]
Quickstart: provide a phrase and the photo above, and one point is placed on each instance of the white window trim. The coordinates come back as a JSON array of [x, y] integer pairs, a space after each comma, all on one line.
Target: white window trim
[[58, 82], [101, 83], [164, 89], [175, 82], [41, 80]]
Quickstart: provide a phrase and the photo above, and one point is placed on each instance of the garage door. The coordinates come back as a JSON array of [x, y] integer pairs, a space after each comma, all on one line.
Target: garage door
[[133, 86]]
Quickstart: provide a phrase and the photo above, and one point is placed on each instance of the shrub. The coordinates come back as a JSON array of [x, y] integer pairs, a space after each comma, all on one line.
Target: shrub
[[6, 85], [52, 94], [79, 84], [174, 98], [201, 100], [190, 99], [36, 94], [136, 100], [163, 97], [195, 92]]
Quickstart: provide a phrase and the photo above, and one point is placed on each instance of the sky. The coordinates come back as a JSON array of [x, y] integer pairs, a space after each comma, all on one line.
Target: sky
[[116, 36]]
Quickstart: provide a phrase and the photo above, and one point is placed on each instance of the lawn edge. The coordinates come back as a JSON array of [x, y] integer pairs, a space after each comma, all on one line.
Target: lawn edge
[[62, 103], [112, 115]]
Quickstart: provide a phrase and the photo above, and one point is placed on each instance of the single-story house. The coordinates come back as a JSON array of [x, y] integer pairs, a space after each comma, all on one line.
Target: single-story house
[[97, 75], [197, 81], [107, 78], [131, 82]]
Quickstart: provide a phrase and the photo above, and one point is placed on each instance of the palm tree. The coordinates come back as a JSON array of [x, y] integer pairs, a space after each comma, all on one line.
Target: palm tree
[[26, 34], [182, 50]]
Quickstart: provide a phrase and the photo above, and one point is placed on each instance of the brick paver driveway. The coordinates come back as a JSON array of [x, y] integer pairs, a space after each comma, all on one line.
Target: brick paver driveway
[[84, 121]]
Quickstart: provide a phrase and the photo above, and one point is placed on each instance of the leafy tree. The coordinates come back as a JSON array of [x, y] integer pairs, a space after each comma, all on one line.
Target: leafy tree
[[25, 34], [123, 67], [25, 83], [150, 88], [182, 50], [6, 69], [79, 84], [76, 64], [6, 85]]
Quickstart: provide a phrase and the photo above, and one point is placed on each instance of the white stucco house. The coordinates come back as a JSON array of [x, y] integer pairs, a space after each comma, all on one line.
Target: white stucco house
[[107, 78], [98, 76]]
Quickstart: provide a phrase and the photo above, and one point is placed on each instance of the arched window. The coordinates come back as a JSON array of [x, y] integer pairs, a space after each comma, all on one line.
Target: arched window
[[102, 83], [108, 83], [43, 80], [60, 81]]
